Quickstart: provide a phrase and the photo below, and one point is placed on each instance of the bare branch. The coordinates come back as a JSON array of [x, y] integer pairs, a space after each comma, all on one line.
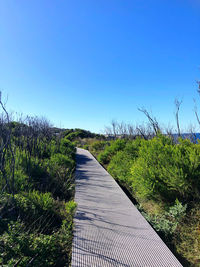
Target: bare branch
[[177, 105], [152, 120]]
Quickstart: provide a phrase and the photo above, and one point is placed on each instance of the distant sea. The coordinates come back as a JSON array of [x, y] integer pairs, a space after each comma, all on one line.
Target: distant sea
[[193, 137]]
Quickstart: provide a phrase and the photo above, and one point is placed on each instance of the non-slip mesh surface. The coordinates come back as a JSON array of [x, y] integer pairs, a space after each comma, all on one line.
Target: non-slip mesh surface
[[109, 230]]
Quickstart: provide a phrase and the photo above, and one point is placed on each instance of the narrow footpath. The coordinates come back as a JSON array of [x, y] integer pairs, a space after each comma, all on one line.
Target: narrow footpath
[[109, 230]]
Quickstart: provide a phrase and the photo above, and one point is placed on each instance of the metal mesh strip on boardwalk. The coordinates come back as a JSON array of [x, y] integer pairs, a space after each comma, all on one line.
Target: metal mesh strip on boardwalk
[[109, 230]]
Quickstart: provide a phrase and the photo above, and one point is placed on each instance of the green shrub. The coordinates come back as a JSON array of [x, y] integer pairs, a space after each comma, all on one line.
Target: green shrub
[[34, 169], [42, 200], [62, 161], [39, 211], [66, 147], [61, 179], [166, 170], [19, 248], [120, 164], [168, 222], [44, 149], [21, 181], [104, 157], [74, 134], [115, 146], [70, 207], [75, 143], [7, 211], [86, 147], [119, 167], [98, 146]]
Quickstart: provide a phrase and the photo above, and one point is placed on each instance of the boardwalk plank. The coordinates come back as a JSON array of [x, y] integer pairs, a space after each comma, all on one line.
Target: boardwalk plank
[[109, 230]]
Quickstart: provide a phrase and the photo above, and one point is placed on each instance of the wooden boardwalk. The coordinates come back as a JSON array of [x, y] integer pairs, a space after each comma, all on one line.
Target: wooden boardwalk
[[109, 230]]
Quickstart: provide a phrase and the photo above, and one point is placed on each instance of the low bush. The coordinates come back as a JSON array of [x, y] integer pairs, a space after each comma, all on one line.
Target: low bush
[[167, 222], [121, 162], [167, 171], [74, 134], [86, 147], [110, 150], [39, 233], [62, 160], [20, 248], [66, 147], [39, 210], [98, 146]]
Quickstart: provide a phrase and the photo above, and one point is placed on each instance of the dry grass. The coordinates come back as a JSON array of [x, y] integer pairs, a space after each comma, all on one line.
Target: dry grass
[[187, 239], [152, 208]]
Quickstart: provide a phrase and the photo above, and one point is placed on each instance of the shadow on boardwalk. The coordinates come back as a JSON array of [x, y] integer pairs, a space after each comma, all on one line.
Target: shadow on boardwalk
[[109, 230]]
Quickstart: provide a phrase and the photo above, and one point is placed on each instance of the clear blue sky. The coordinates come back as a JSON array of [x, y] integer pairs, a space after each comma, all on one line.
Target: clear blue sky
[[82, 63]]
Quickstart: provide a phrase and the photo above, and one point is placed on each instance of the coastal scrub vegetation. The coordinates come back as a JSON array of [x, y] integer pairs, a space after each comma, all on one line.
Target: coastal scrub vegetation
[[160, 170], [36, 193], [163, 176]]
